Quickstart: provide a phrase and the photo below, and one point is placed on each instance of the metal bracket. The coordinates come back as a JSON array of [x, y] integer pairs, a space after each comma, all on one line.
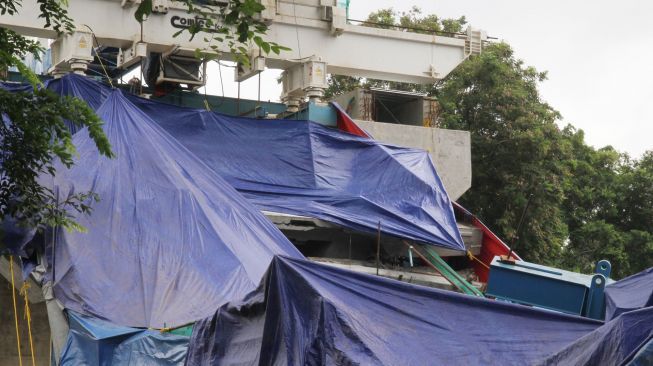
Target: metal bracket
[[595, 307], [132, 55], [256, 65], [160, 6], [337, 16], [603, 267]]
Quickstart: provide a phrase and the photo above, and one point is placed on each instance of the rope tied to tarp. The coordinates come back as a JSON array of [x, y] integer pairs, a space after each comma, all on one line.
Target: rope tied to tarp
[[472, 257], [13, 296], [28, 316]]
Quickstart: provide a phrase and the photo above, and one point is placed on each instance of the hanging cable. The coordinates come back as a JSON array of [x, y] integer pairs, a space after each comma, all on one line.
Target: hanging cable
[[238, 101], [294, 12], [206, 101], [28, 317], [221, 82], [258, 103], [207, 105], [97, 44], [299, 48], [142, 64], [13, 296]]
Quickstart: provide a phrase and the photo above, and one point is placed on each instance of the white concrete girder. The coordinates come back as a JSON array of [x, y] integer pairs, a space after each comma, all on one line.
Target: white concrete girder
[[358, 51]]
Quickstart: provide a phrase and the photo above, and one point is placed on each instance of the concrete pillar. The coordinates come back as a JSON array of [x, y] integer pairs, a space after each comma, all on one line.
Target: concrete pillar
[[57, 321]]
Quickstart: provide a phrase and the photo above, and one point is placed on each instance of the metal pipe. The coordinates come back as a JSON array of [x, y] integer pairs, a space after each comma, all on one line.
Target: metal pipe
[[431, 265]]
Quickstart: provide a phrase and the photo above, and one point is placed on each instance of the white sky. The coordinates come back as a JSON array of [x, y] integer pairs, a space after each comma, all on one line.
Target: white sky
[[598, 54]]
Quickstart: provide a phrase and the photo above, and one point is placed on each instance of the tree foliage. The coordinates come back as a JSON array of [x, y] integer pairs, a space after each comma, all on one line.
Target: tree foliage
[[609, 204], [33, 132], [517, 148], [587, 204]]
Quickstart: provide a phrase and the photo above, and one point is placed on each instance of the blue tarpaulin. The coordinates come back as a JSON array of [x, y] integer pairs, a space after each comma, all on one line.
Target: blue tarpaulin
[[303, 168], [630, 293], [616, 343], [171, 241], [643, 357], [307, 313], [95, 342], [168, 243]]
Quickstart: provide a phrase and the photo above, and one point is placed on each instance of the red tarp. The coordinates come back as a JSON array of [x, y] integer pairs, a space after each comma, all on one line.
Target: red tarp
[[491, 245], [346, 124]]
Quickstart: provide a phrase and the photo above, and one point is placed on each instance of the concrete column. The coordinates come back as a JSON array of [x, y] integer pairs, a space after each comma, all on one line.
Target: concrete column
[[58, 322]]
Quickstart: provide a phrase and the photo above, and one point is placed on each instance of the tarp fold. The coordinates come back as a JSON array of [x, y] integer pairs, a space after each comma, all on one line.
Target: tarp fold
[[307, 313]]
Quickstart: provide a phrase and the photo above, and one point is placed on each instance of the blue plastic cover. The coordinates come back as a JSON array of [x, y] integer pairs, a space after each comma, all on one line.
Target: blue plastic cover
[[15, 87], [628, 294], [152, 348], [307, 313], [615, 343], [96, 342], [644, 356], [168, 243], [303, 168]]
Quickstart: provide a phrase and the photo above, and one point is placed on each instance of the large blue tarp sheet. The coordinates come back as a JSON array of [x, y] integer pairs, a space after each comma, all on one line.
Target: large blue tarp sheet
[[307, 313], [303, 168], [95, 342], [630, 293], [169, 241], [616, 343]]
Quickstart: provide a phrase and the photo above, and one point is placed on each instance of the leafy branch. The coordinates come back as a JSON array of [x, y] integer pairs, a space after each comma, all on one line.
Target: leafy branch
[[34, 135]]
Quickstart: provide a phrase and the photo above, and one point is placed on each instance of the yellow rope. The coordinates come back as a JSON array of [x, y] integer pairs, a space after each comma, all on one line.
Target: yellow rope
[[28, 316], [13, 295], [473, 258]]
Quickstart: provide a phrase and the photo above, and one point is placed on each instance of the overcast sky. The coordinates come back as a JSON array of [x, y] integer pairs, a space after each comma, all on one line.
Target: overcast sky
[[598, 54]]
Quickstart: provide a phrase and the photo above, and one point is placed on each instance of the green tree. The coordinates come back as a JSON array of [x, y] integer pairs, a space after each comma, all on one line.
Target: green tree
[[587, 204], [596, 240], [639, 249], [608, 200], [415, 21], [591, 186], [517, 149], [635, 204], [33, 133]]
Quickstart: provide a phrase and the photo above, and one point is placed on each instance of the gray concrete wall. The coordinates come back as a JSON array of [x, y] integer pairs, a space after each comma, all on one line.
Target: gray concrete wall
[[40, 330], [450, 150]]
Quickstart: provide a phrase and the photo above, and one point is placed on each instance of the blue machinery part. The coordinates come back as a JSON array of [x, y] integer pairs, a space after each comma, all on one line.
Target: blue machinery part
[[321, 113], [550, 288]]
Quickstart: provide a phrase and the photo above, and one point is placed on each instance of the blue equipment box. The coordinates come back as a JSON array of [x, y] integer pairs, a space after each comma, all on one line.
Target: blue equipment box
[[550, 288]]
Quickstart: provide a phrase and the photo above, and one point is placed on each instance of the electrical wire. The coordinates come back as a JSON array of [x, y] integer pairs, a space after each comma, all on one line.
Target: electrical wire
[[97, 44], [221, 82], [13, 296], [299, 48], [28, 316]]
